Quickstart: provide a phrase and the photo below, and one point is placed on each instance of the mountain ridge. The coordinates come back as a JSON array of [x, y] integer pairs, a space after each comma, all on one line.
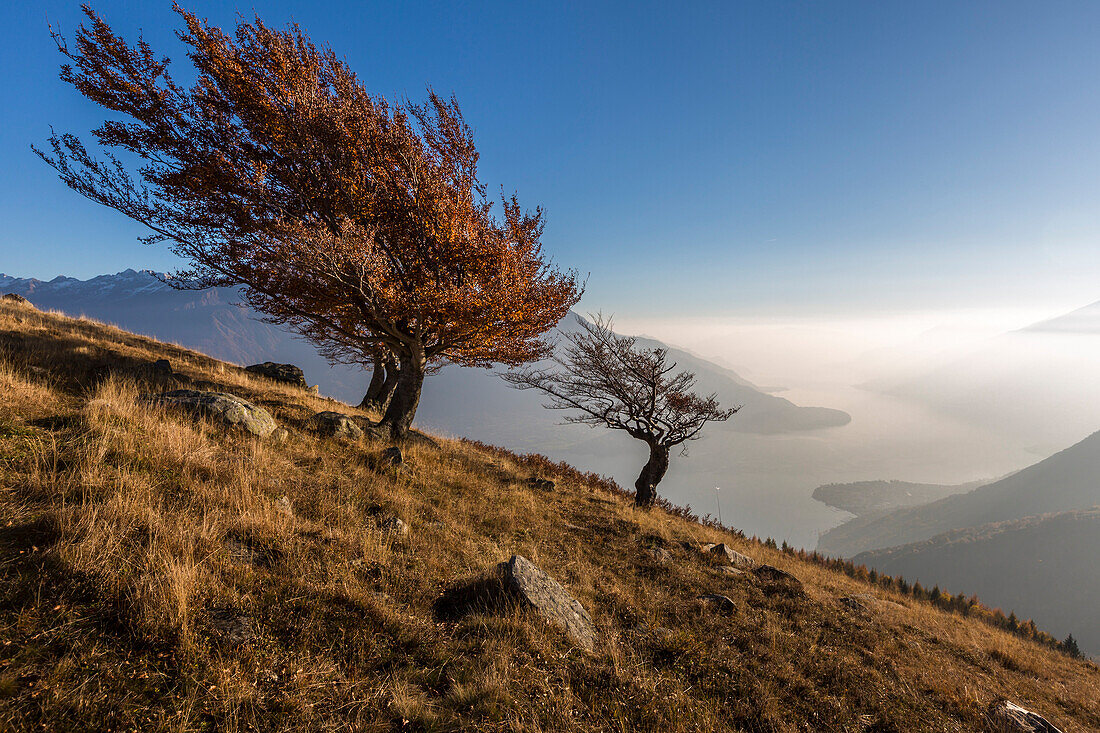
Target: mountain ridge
[[1062, 482]]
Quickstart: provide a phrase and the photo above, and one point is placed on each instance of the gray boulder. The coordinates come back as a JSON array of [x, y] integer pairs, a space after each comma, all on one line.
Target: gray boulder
[[779, 581], [337, 425], [221, 406], [538, 590], [735, 558], [719, 601], [285, 373], [1007, 717]]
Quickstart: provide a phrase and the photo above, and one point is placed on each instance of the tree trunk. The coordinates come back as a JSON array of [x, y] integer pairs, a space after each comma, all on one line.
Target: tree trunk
[[377, 380], [406, 395], [392, 375], [383, 380], [646, 486]]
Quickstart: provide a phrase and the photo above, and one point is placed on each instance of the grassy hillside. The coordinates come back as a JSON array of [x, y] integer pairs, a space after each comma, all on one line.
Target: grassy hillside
[[155, 578], [1066, 481], [1043, 567]]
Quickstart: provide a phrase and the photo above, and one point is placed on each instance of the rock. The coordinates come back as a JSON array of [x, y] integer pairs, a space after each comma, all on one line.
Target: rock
[[1007, 717], [544, 484], [226, 408], [239, 552], [280, 435], [285, 373], [735, 558], [14, 298], [232, 626], [392, 456], [660, 554], [777, 580], [394, 526], [539, 591], [660, 632], [858, 603], [337, 425], [283, 505], [722, 603], [162, 367], [729, 570]]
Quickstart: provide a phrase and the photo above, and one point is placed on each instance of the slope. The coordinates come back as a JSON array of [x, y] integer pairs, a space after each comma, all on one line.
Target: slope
[[1063, 482], [476, 404], [161, 573], [1042, 567]]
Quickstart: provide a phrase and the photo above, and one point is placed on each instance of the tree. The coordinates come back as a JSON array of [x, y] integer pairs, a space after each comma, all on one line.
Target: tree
[[1071, 648], [608, 380], [352, 221], [383, 380]]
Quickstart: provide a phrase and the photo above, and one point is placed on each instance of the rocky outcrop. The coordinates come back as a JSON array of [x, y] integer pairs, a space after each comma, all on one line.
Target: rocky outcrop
[[544, 484], [285, 373], [337, 425], [1007, 717], [225, 408], [538, 590], [14, 298]]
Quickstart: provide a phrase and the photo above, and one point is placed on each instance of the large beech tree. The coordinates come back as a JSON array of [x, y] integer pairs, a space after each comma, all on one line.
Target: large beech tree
[[608, 380], [356, 222]]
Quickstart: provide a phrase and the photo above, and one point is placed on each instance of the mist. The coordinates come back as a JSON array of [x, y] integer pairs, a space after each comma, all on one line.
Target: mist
[[944, 397]]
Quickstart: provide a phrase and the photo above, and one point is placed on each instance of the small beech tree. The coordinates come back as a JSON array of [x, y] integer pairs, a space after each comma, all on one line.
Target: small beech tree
[[609, 381], [357, 223]]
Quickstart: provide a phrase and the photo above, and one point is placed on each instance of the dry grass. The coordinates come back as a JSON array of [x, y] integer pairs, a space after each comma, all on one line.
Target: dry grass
[[151, 581]]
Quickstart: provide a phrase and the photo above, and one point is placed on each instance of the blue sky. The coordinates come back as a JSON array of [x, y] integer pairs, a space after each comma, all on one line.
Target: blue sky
[[697, 159]]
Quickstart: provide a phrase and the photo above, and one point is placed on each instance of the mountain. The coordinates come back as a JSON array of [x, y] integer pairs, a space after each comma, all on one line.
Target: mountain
[[1063, 482], [162, 573], [1082, 321], [1042, 568], [864, 498], [212, 321], [1037, 386], [755, 457]]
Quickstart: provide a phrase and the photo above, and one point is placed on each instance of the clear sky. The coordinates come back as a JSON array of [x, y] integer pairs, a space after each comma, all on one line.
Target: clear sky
[[697, 159]]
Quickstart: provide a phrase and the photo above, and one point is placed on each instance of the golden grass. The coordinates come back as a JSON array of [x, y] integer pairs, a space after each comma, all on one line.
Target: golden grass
[[153, 580]]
